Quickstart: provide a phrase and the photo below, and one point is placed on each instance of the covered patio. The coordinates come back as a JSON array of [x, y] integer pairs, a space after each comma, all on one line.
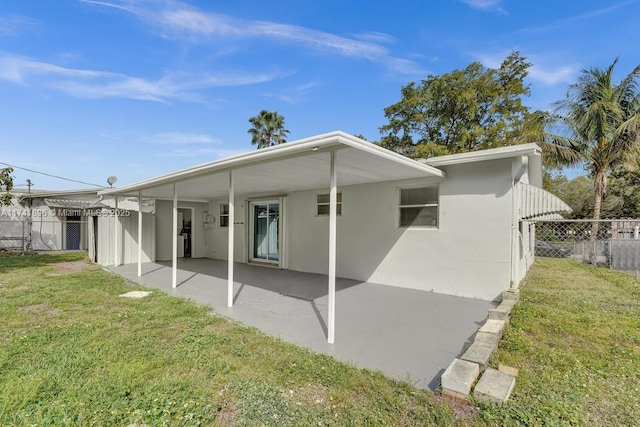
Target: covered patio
[[407, 334], [267, 176]]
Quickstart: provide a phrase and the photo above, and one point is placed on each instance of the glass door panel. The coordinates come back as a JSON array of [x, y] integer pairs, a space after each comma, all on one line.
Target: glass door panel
[[265, 225], [260, 232], [273, 232]]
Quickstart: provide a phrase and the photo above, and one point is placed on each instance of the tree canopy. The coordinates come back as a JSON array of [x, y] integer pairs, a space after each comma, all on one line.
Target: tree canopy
[[467, 109], [267, 129], [6, 185]]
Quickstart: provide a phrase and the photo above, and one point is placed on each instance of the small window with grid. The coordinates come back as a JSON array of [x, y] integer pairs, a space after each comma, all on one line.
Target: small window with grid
[[224, 215], [322, 201]]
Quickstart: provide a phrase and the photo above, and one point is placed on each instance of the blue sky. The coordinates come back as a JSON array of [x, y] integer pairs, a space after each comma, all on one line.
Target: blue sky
[[141, 88]]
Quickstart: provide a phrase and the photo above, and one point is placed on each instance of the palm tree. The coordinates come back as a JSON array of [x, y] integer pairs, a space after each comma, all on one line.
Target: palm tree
[[267, 129], [599, 126]]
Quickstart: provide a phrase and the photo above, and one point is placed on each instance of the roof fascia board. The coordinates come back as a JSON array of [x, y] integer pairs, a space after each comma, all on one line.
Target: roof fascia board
[[390, 155], [61, 193], [308, 146], [197, 172], [484, 155]]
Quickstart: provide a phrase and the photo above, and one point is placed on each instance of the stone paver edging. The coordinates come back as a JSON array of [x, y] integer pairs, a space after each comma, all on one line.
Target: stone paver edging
[[494, 385]]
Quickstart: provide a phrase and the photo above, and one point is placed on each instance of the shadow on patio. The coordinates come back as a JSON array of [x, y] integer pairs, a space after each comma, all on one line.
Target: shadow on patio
[[405, 333], [304, 286]]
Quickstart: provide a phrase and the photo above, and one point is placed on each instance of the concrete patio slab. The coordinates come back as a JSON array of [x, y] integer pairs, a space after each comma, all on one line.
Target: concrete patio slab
[[136, 294], [407, 334]]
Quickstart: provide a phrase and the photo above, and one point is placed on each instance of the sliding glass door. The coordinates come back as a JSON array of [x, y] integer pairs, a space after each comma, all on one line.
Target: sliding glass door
[[265, 231]]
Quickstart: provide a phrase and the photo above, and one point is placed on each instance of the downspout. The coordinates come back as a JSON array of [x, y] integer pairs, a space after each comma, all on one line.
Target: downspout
[[518, 168]]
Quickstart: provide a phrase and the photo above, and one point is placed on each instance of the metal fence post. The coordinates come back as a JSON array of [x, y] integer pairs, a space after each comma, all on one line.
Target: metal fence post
[[23, 239], [635, 261]]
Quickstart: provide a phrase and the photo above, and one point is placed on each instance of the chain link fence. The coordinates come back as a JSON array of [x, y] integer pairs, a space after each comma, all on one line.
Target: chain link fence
[[42, 234], [13, 233], [614, 243]]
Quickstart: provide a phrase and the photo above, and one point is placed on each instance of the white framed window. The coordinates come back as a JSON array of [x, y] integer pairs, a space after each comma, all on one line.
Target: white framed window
[[419, 206], [224, 215], [322, 201]]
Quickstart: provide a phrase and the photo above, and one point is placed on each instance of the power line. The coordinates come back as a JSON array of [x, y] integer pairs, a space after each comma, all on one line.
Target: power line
[[53, 176]]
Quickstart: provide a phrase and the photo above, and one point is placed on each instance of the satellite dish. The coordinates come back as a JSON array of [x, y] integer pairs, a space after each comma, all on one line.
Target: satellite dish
[[112, 180]]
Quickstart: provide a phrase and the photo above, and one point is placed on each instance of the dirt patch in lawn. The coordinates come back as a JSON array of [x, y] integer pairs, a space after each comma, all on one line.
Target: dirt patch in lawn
[[40, 308], [63, 268], [462, 410], [226, 416], [312, 395]]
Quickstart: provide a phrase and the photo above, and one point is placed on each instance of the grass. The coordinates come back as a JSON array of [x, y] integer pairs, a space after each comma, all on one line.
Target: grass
[[575, 336], [72, 352]]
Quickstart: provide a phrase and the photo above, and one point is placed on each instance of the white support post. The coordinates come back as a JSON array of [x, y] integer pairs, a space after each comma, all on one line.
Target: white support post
[[231, 241], [116, 220], [174, 257], [333, 211], [139, 233]]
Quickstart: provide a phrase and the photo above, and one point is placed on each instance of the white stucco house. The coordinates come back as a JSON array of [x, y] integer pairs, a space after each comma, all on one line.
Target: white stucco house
[[337, 205]]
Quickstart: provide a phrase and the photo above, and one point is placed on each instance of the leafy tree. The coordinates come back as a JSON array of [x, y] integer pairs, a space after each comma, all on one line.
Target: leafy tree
[[624, 184], [6, 184], [267, 129], [464, 110], [579, 194], [598, 124]]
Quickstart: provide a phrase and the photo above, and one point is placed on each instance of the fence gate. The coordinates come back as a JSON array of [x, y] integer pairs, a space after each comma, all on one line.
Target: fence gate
[[44, 233]]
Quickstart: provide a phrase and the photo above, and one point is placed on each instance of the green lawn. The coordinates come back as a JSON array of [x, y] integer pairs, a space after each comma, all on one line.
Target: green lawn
[[74, 353], [575, 336]]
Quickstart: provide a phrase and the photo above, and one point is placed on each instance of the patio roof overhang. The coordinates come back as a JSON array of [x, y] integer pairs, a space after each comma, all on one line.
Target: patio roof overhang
[[294, 166], [323, 161]]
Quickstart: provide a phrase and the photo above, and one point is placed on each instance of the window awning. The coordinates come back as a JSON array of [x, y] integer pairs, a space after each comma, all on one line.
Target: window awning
[[537, 204]]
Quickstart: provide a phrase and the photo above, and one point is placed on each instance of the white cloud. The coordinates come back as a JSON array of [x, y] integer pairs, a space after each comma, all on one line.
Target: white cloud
[[579, 18], [292, 95], [492, 60], [101, 84], [486, 5], [404, 66], [181, 138], [181, 20], [563, 74], [11, 24], [16, 68], [209, 153], [187, 144], [539, 71], [375, 37]]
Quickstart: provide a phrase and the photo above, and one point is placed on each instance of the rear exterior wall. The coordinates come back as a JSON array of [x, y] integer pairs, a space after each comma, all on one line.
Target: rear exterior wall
[[467, 255]]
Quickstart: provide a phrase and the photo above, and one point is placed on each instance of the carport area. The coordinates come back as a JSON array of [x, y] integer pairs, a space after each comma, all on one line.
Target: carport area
[[407, 334]]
